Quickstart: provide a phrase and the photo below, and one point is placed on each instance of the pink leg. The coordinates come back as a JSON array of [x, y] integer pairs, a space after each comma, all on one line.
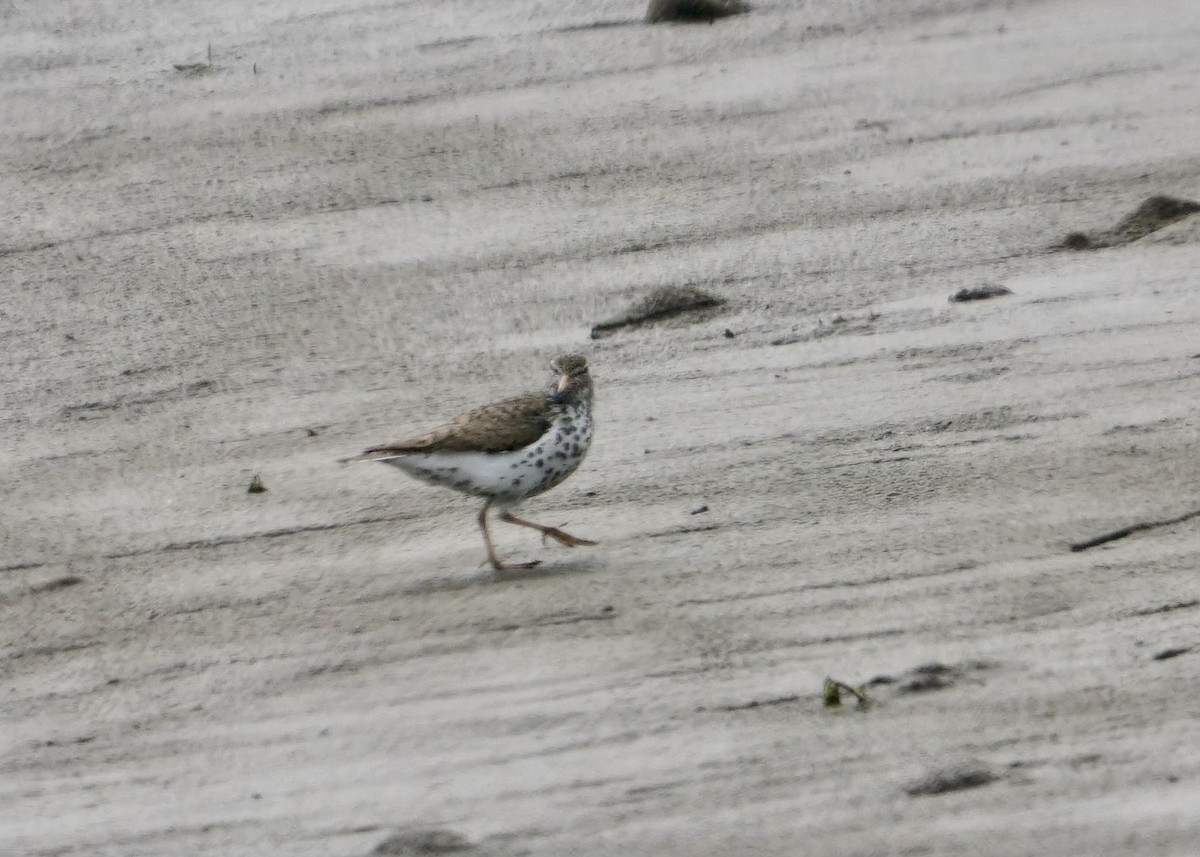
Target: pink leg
[[491, 550], [553, 532]]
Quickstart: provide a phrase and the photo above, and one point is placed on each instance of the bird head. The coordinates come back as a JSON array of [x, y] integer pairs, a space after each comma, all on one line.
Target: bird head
[[572, 378]]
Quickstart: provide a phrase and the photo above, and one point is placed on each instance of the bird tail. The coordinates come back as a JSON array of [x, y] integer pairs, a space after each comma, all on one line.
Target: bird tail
[[381, 453]]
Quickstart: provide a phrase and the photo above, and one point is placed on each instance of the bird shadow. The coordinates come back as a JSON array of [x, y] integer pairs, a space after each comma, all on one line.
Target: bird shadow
[[553, 568]]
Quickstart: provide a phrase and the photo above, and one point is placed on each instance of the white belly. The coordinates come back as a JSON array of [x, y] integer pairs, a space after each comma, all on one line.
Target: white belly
[[506, 477]]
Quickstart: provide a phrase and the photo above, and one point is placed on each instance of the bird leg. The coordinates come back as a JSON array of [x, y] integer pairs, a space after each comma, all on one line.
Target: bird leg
[[553, 532], [491, 550]]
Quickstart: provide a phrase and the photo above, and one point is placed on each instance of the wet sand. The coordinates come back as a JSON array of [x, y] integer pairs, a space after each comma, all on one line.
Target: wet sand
[[364, 218]]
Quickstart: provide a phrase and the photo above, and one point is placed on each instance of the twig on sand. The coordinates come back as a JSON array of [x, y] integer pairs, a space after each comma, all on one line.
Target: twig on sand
[[1131, 529]]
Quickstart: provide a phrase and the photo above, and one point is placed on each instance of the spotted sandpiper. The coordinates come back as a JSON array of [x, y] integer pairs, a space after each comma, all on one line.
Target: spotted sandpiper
[[506, 451]]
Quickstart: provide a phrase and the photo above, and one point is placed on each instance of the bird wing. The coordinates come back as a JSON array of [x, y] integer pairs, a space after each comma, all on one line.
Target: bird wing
[[499, 427]]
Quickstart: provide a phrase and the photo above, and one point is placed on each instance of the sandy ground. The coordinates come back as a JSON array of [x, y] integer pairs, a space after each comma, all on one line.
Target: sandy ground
[[369, 216]]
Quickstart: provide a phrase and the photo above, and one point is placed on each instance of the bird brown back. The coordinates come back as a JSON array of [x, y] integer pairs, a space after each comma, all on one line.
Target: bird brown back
[[499, 427]]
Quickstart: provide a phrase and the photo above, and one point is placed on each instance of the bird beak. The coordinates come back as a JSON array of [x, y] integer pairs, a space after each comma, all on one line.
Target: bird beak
[[564, 381]]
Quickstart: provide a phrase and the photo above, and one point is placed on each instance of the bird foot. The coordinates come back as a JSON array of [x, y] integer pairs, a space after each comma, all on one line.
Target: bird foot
[[565, 538], [547, 532], [515, 566]]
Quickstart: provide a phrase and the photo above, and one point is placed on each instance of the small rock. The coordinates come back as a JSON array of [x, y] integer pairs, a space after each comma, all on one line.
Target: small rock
[[256, 485], [693, 11]]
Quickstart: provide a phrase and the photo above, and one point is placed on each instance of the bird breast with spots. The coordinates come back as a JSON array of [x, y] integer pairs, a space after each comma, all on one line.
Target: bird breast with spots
[[509, 477]]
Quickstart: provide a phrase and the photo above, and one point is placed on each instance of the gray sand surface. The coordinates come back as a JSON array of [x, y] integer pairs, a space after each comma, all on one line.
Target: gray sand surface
[[368, 216]]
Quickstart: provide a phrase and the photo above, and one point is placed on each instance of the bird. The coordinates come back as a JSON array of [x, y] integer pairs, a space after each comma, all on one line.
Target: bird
[[507, 451]]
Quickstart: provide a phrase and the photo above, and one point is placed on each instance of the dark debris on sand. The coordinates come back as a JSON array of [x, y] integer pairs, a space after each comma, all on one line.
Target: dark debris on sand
[[979, 293], [693, 11], [414, 843], [660, 305], [1152, 215], [969, 775], [931, 676]]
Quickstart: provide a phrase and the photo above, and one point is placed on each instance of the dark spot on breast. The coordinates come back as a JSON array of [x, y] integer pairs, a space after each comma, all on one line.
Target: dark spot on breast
[[575, 450], [538, 450], [541, 462], [517, 482], [560, 454]]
